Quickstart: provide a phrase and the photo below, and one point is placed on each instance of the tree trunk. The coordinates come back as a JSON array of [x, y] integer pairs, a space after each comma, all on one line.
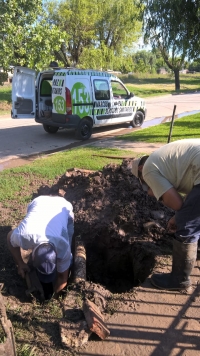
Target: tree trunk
[[177, 79]]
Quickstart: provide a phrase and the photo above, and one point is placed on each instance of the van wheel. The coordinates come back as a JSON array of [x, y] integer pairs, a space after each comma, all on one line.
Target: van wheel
[[138, 119], [50, 129], [84, 130]]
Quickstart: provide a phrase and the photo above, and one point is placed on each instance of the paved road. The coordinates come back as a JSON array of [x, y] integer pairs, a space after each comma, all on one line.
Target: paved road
[[25, 137], [163, 106]]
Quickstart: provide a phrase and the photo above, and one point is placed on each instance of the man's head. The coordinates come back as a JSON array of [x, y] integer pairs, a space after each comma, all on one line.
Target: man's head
[[137, 166], [44, 260]]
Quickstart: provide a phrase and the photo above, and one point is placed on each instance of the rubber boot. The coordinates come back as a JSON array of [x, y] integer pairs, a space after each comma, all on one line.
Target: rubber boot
[[183, 260]]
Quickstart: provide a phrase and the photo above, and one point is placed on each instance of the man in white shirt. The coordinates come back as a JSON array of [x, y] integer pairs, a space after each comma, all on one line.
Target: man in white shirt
[[47, 230], [167, 173]]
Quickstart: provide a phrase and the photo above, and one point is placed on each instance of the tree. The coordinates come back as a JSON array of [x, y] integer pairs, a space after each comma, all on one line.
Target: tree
[[76, 19], [25, 36], [119, 23], [171, 26], [160, 63], [195, 65], [123, 63], [100, 58], [96, 29], [144, 61]]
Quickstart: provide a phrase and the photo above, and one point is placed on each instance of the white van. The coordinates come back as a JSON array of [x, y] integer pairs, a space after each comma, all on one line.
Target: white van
[[74, 98]]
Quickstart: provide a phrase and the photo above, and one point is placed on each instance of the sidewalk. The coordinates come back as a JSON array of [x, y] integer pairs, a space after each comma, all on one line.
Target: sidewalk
[[153, 322], [138, 147]]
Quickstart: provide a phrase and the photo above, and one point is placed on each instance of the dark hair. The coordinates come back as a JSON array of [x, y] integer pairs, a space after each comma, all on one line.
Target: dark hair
[[143, 160]]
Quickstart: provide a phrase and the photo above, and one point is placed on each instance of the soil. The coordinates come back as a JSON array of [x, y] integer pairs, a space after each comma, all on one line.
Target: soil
[[124, 232]]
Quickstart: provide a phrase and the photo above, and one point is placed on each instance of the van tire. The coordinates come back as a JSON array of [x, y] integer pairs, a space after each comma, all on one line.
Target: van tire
[[84, 130], [50, 129], [138, 119]]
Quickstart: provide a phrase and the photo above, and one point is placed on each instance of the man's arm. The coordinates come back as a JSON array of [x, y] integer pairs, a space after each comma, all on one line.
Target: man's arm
[[172, 199], [61, 281], [15, 251]]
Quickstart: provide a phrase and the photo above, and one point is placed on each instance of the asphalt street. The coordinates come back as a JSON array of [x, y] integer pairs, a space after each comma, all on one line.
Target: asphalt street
[[24, 137]]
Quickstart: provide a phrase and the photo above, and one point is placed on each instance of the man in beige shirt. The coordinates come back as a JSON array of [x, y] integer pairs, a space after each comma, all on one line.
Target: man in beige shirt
[[171, 173]]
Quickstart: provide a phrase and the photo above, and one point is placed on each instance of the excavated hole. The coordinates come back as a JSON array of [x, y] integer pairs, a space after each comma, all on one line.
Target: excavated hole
[[119, 268], [117, 265]]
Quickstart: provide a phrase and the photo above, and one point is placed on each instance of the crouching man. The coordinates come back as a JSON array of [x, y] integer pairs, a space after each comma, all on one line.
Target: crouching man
[[47, 230], [167, 172]]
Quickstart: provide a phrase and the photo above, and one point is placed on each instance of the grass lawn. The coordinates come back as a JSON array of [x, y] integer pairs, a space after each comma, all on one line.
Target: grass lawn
[[5, 99], [13, 181], [187, 127], [148, 85]]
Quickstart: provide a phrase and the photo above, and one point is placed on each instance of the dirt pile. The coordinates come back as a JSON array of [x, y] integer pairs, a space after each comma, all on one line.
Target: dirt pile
[[122, 227]]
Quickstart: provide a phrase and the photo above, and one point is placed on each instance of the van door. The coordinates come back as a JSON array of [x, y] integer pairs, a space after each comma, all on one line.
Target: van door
[[122, 101], [102, 100], [81, 95], [23, 93]]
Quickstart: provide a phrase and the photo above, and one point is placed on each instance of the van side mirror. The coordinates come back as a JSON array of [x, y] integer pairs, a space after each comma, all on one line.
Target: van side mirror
[[131, 95]]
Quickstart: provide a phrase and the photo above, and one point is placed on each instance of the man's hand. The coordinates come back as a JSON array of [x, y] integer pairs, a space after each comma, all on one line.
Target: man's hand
[[16, 253], [22, 269], [171, 225], [61, 281]]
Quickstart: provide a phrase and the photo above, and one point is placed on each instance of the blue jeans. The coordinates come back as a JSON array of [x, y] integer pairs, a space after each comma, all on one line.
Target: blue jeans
[[188, 218]]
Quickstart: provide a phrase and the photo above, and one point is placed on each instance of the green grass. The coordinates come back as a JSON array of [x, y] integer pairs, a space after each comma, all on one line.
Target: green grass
[[147, 85], [187, 127], [15, 183], [26, 350], [5, 99], [58, 163], [5, 93]]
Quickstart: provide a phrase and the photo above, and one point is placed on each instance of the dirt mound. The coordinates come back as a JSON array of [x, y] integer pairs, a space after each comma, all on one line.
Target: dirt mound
[[121, 226]]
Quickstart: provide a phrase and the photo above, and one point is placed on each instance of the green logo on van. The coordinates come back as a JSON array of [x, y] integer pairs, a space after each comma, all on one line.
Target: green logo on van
[[81, 95], [59, 105]]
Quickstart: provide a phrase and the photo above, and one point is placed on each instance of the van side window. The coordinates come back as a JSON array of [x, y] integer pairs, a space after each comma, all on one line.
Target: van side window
[[101, 89], [119, 91], [45, 88]]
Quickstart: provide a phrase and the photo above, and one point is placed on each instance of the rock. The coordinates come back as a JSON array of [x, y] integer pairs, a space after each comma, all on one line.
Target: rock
[[74, 334], [157, 214]]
